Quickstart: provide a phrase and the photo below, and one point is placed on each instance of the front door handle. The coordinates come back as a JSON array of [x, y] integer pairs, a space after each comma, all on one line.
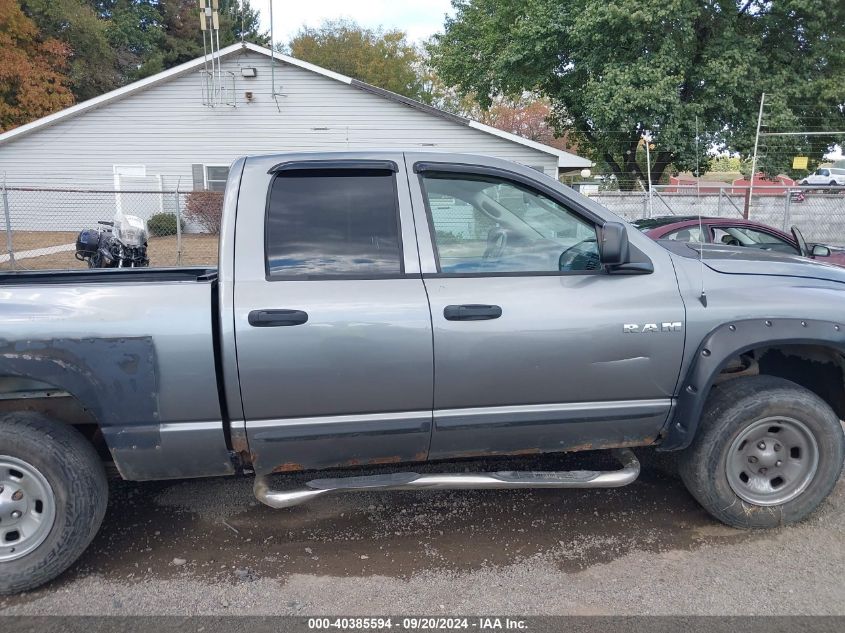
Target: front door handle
[[472, 312], [277, 318]]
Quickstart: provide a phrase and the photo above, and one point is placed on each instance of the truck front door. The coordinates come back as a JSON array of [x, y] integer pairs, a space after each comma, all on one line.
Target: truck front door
[[536, 347], [332, 325]]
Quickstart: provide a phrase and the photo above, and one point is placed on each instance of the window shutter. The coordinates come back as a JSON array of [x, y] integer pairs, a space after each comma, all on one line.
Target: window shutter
[[198, 173]]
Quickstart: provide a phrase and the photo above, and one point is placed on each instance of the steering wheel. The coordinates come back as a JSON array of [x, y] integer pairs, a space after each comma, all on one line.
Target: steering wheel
[[497, 242]]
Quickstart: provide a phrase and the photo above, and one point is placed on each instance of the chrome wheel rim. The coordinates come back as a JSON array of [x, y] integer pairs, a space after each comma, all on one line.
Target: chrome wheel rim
[[27, 508], [772, 461]]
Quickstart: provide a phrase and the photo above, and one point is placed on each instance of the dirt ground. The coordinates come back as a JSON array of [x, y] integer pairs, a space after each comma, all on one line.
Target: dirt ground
[[197, 250], [207, 547]]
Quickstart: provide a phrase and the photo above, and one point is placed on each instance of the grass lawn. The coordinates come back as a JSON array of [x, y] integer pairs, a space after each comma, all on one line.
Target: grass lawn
[[197, 250]]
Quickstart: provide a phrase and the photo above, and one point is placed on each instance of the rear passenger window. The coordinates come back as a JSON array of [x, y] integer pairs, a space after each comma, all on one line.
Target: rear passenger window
[[333, 223]]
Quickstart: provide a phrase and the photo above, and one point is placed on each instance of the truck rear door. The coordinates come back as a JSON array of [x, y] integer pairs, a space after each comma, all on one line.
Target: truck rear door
[[332, 325]]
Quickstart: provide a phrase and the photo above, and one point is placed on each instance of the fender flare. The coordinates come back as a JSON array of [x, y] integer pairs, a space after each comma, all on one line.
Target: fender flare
[[113, 378], [728, 341]]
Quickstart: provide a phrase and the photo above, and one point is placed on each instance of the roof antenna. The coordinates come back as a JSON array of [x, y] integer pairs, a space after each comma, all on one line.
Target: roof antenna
[[703, 296], [273, 91]]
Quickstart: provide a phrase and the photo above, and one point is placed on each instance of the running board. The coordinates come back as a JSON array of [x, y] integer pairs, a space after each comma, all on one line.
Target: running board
[[458, 481]]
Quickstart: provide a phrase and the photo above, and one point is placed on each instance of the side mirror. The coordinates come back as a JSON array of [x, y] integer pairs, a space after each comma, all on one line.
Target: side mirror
[[613, 244], [819, 250], [802, 243]]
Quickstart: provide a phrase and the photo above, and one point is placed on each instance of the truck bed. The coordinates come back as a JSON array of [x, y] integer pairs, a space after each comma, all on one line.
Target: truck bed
[[136, 348]]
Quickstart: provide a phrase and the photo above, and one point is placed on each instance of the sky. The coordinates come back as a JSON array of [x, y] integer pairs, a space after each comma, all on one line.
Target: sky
[[419, 18]]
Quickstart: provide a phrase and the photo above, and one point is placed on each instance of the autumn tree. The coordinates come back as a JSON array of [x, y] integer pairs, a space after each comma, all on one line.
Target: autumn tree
[[32, 83], [615, 70], [527, 116], [382, 58]]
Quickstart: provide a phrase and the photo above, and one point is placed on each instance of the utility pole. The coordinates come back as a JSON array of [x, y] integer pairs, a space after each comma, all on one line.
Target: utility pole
[[697, 173], [647, 139], [754, 158]]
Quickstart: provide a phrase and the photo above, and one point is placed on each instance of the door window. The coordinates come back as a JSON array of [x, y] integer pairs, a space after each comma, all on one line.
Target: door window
[[686, 234], [484, 224], [333, 223], [744, 236]]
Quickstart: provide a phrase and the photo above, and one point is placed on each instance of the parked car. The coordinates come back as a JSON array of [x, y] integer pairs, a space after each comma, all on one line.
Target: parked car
[[732, 232], [826, 176], [376, 308]]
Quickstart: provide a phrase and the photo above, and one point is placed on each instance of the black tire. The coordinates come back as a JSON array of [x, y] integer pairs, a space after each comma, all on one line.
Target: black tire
[[73, 470], [732, 408]]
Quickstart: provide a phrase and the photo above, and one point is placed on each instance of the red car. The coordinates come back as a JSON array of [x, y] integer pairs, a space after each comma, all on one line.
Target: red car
[[733, 232]]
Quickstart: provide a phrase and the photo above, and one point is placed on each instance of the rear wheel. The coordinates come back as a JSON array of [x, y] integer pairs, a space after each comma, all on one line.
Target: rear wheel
[[767, 453], [53, 495]]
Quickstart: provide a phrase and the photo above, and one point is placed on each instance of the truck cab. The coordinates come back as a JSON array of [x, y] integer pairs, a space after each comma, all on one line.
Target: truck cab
[[437, 309]]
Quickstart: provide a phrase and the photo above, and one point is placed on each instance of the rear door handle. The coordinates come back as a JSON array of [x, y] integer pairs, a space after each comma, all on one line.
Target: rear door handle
[[472, 312], [277, 318]]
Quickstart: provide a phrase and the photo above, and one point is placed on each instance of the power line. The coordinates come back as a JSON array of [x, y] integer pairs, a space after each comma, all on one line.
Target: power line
[[800, 133]]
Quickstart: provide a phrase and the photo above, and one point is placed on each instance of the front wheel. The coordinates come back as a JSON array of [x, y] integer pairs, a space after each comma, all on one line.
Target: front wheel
[[53, 495], [768, 452]]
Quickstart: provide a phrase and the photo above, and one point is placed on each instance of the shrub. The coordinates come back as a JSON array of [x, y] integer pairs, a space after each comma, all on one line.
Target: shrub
[[447, 237], [205, 208], [163, 224]]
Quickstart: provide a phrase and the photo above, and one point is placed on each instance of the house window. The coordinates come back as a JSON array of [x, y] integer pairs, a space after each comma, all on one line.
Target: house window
[[215, 177]]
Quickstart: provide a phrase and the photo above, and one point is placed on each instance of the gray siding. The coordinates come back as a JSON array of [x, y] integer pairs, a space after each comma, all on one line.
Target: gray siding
[[167, 129]]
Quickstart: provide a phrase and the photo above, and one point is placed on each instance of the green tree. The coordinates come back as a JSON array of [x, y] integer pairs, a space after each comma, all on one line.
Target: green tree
[[728, 164], [32, 79], [182, 37], [91, 66], [382, 58], [614, 70], [149, 36], [134, 31]]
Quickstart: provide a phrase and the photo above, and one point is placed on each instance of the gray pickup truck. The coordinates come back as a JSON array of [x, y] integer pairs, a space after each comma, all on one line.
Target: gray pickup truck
[[394, 308]]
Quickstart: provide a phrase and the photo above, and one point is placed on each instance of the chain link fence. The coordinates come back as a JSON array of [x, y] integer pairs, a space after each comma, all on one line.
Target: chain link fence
[[818, 212], [39, 226]]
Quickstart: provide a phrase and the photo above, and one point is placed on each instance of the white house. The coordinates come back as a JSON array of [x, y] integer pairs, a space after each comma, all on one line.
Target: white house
[[184, 126]]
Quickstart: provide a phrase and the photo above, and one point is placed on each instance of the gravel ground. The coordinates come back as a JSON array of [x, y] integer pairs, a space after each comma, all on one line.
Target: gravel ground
[[206, 547]]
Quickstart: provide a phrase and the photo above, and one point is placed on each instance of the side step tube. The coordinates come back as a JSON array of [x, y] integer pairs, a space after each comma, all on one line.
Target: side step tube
[[458, 481]]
